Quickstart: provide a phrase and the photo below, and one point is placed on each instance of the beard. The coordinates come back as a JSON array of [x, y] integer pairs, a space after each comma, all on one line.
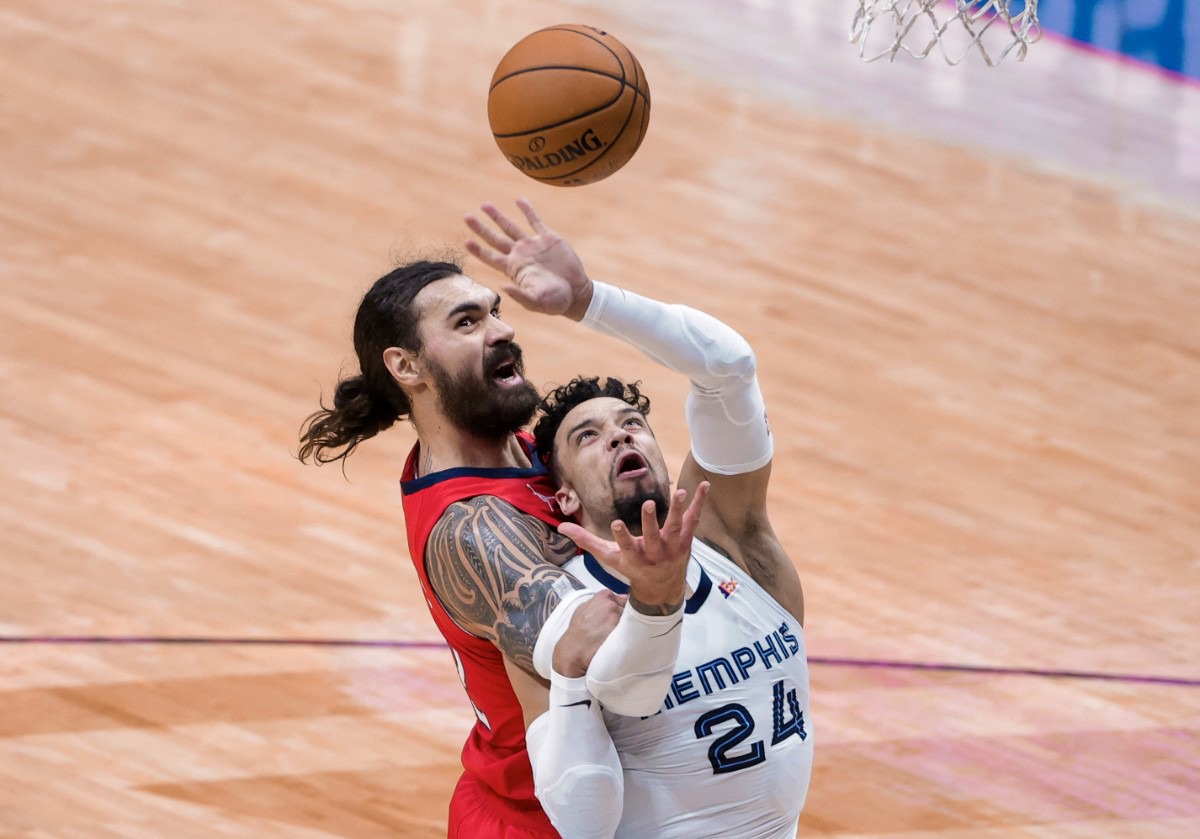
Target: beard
[[629, 508], [483, 408]]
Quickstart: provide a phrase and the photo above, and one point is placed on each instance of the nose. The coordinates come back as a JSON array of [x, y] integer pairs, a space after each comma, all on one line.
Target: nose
[[500, 332], [622, 436]]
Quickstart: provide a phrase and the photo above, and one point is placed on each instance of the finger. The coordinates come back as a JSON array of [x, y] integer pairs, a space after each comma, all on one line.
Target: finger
[[529, 301], [622, 536], [488, 256], [691, 517], [611, 602], [531, 215], [674, 522], [488, 234], [504, 222], [650, 532]]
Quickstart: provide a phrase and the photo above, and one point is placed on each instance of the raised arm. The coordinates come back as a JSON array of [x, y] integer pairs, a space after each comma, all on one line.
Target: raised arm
[[732, 447], [731, 442]]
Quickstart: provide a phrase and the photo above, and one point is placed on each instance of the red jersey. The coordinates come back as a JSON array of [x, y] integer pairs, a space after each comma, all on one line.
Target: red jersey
[[495, 753]]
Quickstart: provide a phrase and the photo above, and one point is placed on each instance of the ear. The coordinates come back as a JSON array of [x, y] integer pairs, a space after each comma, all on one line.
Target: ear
[[402, 364], [567, 500]]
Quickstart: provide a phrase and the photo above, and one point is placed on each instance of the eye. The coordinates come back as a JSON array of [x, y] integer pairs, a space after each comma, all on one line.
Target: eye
[[586, 434], [634, 421]]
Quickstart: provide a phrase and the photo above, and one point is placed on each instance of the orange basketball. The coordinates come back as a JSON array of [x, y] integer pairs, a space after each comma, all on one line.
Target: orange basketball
[[569, 105]]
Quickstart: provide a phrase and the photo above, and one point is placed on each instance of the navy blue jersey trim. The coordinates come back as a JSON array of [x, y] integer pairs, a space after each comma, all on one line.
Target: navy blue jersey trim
[[608, 580], [418, 484], [703, 588], [702, 591], [537, 470]]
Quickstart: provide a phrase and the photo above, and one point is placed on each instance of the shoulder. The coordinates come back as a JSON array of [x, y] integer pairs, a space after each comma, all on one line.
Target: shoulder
[[487, 523], [494, 569]]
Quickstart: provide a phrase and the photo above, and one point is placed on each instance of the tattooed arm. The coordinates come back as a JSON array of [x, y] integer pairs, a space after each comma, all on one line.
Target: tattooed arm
[[487, 563]]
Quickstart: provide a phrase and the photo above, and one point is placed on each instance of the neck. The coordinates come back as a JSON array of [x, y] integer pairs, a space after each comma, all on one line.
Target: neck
[[444, 446]]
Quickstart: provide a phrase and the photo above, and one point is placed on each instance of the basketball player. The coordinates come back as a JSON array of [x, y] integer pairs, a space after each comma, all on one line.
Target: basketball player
[[729, 750], [481, 517]]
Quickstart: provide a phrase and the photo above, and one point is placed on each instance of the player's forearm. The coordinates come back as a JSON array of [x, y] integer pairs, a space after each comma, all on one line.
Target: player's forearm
[[725, 410], [631, 671], [684, 339]]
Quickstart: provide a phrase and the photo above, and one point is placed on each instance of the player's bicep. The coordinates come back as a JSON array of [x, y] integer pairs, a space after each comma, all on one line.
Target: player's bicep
[[486, 562], [735, 523], [735, 503]]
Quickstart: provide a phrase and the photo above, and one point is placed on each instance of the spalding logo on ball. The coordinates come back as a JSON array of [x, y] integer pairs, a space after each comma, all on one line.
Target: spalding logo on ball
[[569, 105]]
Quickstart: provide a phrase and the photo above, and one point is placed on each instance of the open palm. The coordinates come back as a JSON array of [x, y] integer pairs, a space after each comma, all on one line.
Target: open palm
[[546, 274]]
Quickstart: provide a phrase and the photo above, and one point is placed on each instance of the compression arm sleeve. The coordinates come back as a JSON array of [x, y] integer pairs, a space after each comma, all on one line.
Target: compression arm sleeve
[[576, 773], [631, 672], [725, 410]]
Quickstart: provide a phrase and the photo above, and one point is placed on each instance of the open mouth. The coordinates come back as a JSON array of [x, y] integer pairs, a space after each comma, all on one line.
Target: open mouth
[[507, 374], [504, 366], [631, 465]]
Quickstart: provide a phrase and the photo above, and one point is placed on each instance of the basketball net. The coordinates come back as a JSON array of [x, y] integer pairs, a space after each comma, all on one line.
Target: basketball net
[[955, 27]]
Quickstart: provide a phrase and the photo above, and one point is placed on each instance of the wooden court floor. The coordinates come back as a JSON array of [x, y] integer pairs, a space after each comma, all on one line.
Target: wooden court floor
[[981, 365]]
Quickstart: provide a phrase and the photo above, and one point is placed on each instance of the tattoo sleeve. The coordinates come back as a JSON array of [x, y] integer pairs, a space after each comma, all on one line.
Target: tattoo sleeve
[[492, 569]]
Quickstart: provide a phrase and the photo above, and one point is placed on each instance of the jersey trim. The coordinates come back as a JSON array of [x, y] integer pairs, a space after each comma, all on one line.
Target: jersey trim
[[536, 470], [418, 484], [618, 586]]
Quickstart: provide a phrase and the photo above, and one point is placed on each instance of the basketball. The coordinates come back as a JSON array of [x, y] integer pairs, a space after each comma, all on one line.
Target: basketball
[[568, 105]]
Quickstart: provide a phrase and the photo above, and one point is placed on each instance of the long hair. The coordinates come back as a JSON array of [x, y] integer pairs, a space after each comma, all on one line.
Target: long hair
[[371, 401]]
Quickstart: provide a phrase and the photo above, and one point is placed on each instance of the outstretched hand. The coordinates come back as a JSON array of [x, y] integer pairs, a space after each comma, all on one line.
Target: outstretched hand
[[546, 274], [656, 562]]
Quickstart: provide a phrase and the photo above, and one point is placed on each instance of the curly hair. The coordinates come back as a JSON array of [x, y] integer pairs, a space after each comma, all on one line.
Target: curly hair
[[560, 401]]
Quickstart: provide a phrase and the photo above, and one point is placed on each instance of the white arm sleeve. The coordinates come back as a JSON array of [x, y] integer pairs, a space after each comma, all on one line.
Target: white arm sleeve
[[631, 672], [726, 414], [576, 773]]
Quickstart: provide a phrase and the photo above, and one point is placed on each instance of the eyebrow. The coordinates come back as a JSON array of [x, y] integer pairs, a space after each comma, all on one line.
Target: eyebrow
[[471, 306], [579, 426]]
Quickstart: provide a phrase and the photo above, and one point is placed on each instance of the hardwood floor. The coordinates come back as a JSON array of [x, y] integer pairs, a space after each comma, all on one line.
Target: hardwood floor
[[974, 296]]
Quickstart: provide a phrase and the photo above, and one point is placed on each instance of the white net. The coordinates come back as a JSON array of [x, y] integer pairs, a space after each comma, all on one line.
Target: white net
[[995, 28]]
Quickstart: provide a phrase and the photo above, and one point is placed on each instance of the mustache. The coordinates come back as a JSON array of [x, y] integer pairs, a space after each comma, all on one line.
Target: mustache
[[498, 356]]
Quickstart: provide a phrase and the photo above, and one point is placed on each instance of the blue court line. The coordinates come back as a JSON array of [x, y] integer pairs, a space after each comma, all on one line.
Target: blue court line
[[441, 645]]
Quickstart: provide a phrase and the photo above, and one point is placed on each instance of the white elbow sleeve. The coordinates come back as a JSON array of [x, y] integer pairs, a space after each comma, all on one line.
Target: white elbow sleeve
[[576, 773], [730, 432], [726, 415], [632, 671]]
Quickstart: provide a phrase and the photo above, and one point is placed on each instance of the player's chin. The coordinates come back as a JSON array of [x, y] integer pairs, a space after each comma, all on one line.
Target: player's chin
[[628, 506]]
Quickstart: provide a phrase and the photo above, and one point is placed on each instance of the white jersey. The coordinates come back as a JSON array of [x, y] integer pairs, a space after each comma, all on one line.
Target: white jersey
[[729, 753]]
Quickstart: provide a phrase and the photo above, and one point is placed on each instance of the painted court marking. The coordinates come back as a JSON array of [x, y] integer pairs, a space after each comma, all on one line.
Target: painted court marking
[[983, 670]]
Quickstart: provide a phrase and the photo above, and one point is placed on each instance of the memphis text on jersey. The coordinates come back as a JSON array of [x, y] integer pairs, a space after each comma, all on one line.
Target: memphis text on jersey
[[726, 671]]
